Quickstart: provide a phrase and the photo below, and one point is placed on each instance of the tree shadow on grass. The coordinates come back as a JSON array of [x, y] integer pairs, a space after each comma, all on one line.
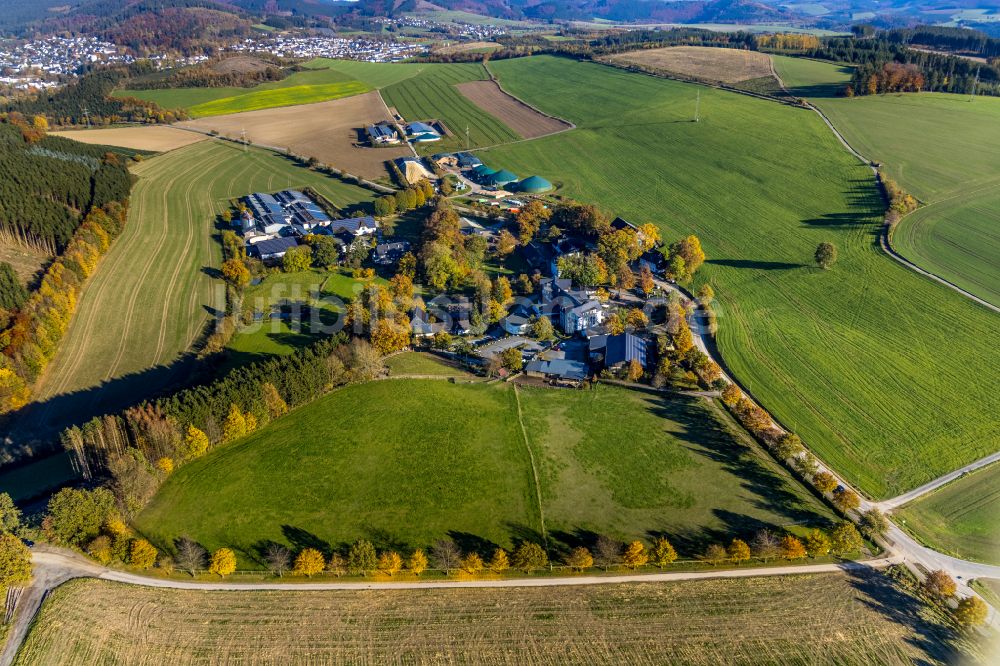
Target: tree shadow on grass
[[755, 264], [473, 543], [880, 593], [300, 539]]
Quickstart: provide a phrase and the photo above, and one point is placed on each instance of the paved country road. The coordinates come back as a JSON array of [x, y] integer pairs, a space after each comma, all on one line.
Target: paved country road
[[907, 497]]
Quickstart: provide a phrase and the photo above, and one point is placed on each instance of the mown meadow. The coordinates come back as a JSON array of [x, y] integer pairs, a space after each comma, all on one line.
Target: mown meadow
[[867, 361], [406, 462]]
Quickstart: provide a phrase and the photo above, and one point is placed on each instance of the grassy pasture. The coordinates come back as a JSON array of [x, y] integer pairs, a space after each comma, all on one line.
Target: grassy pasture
[[317, 83], [849, 358], [432, 94], [406, 462], [421, 363], [765, 620], [811, 78], [962, 518], [943, 149], [150, 299]]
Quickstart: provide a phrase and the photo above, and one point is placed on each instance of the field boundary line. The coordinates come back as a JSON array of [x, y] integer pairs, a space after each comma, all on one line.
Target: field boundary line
[[534, 467]]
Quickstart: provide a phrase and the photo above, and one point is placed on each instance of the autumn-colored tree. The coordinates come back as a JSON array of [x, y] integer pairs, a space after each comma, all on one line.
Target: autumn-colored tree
[[195, 443], [580, 558], [940, 585], [649, 235], [222, 562], [142, 554], [361, 557], [502, 291], [971, 612], [683, 340], [731, 394], [235, 425], [309, 562], [541, 329], [635, 371], [417, 563], [100, 549], [845, 538], [636, 318], [10, 515], [846, 499], [624, 279], [389, 563], [715, 554], [407, 265], [635, 555], [792, 548], [789, 446], [337, 565], [663, 552], [826, 254], [391, 335], [472, 564], [739, 551], [15, 562], [529, 556], [824, 482], [689, 249], [817, 543], [500, 562], [646, 282], [873, 523], [506, 243], [706, 294], [236, 272], [165, 464], [276, 405], [530, 218]]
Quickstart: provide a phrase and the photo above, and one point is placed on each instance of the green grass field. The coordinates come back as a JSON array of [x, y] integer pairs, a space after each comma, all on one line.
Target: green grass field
[[962, 518], [943, 149], [422, 363], [432, 95], [318, 83], [811, 78], [407, 462], [150, 298], [863, 620], [849, 358]]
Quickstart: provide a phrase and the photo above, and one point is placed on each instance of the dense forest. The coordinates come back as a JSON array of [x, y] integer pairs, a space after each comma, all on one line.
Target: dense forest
[[88, 100], [47, 184], [884, 65], [958, 40]]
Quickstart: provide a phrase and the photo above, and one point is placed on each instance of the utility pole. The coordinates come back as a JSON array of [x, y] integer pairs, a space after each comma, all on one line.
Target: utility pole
[[466, 137], [86, 114], [243, 138], [697, 107], [975, 84]]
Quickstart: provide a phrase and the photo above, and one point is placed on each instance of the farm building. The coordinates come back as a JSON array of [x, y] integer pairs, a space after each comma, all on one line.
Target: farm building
[[356, 226], [382, 134], [461, 160], [557, 369], [271, 214], [622, 349], [500, 179], [273, 249], [418, 132], [533, 185], [413, 170]]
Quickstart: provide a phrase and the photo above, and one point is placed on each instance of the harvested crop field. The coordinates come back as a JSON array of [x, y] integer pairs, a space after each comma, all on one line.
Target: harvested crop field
[[701, 62], [157, 138], [514, 113], [766, 620], [327, 131], [26, 261]]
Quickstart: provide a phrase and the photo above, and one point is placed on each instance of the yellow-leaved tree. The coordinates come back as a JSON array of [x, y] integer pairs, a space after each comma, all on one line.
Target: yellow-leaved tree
[[235, 425], [417, 563], [195, 443], [222, 562], [739, 551], [500, 562], [635, 555], [663, 552], [390, 563], [142, 554], [309, 562]]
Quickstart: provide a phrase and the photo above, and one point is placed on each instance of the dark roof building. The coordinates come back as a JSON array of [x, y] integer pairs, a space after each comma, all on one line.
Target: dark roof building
[[625, 348], [354, 225], [273, 248], [558, 369], [389, 253]]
